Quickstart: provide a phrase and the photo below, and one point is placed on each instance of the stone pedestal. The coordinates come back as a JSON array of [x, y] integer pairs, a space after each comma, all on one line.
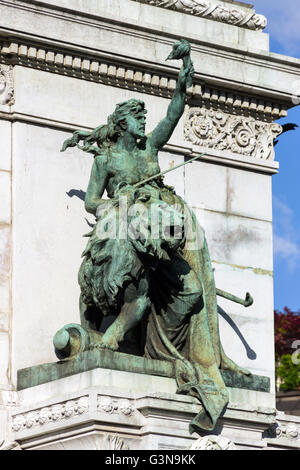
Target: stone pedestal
[[128, 412]]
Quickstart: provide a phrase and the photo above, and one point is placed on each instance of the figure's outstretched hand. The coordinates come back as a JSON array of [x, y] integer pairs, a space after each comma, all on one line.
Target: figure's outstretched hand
[[185, 77]]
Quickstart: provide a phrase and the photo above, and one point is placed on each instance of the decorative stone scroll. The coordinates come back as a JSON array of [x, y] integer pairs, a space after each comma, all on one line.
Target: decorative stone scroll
[[213, 443], [240, 135], [6, 84], [214, 10], [54, 413]]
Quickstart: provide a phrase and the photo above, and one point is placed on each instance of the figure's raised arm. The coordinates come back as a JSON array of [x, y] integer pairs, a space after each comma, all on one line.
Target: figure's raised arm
[[163, 131]]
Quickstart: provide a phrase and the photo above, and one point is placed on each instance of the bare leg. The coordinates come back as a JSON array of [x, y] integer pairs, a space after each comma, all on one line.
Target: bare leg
[[136, 305]]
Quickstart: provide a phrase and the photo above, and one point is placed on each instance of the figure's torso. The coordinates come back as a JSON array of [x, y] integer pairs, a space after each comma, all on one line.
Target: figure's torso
[[130, 167]]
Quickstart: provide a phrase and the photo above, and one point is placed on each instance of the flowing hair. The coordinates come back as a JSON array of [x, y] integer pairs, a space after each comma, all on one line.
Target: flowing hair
[[103, 136]]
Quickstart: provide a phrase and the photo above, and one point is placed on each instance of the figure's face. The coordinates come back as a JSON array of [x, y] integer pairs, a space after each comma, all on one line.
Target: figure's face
[[136, 125]]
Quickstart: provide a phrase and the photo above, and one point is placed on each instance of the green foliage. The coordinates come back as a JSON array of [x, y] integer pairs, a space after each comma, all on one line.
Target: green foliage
[[289, 373], [287, 330]]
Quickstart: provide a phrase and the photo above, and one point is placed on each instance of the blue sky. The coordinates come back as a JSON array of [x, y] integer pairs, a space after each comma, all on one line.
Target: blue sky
[[284, 29]]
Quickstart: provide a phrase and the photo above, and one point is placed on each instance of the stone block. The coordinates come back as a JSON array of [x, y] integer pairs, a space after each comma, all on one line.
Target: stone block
[[82, 103], [236, 240], [4, 358], [49, 224], [4, 304], [245, 341], [238, 281], [5, 145], [206, 186], [249, 194], [247, 334], [5, 197], [5, 270]]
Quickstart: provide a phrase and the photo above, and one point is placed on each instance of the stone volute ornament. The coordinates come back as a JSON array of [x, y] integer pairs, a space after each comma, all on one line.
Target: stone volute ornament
[[214, 10], [147, 262]]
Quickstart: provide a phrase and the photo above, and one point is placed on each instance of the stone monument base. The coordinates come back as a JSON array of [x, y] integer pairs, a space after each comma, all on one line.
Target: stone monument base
[[104, 409]]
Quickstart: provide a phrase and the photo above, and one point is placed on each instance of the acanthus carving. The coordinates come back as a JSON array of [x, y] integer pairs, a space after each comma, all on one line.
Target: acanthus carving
[[50, 414], [214, 11], [240, 135], [213, 443], [110, 405], [6, 85], [114, 443]]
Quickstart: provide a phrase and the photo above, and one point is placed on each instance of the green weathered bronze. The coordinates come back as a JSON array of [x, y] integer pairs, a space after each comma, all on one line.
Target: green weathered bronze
[[162, 287], [104, 359]]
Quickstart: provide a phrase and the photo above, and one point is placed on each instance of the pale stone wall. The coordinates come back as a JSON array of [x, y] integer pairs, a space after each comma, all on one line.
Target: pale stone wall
[[5, 253], [72, 61]]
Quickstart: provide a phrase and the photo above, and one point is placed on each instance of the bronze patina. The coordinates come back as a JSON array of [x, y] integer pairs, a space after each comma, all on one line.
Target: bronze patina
[[161, 288]]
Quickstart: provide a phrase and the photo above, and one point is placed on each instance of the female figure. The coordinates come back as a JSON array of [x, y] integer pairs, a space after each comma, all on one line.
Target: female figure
[[166, 279]]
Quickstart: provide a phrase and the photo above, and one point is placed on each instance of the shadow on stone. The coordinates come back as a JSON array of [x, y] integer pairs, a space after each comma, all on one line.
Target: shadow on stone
[[78, 193], [251, 354]]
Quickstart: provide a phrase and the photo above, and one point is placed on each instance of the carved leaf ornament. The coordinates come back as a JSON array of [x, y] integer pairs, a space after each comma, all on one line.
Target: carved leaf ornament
[[215, 11], [237, 134]]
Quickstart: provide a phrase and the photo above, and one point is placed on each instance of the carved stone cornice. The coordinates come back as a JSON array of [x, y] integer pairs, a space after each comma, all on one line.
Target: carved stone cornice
[[50, 414], [132, 76], [91, 68], [240, 104], [214, 10], [244, 136]]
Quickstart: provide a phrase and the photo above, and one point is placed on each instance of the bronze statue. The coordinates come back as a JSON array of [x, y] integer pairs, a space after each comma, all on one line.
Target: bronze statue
[[163, 283]]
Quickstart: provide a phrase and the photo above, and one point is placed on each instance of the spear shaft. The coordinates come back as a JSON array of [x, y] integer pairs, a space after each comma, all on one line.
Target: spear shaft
[[162, 173]]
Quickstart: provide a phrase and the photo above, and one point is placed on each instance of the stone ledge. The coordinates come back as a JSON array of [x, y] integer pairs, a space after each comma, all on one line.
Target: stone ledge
[[153, 79], [189, 150], [124, 404], [89, 360]]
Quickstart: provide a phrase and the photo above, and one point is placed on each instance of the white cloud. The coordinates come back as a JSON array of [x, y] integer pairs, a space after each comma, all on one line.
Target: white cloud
[[283, 22], [287, 250], [283, 208], [285, 247], [286, 238]]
